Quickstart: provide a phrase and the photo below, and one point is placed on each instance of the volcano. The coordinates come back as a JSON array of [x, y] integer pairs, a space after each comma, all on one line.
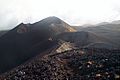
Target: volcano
[[27, 40]]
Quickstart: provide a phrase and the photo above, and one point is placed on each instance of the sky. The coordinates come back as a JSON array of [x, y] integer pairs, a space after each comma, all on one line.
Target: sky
[[74, 12]]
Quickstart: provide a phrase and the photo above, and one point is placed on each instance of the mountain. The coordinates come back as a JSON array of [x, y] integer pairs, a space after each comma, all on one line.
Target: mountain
[[2, 32], [51, 49], [109, 31], [55, 24], [103, 23], [83, 38], [116, 22], [27, 40]]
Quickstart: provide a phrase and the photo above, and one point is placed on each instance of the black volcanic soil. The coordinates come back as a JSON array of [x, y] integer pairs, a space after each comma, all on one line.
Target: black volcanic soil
[[78, 64]]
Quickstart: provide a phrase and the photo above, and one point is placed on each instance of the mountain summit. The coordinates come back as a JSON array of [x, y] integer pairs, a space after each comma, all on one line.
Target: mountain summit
[[55, 25]]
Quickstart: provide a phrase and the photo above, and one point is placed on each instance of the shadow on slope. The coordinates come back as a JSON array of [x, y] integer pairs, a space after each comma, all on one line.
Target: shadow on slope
[[27, 40]]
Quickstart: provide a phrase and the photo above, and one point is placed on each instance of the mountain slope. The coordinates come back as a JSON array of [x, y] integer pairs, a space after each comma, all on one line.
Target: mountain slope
[[27, 40], [99, 45], [55, 25], [80, 64], [2, 32], [83, 38], [110, 31]]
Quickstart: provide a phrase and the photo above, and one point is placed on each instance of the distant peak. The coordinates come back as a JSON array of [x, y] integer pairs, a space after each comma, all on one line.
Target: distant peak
[[49, 20], [52, 17], [116, 22], [22, 28], [21, 24]]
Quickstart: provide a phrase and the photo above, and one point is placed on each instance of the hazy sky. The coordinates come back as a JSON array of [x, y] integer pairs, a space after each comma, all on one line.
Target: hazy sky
[[74, 12]]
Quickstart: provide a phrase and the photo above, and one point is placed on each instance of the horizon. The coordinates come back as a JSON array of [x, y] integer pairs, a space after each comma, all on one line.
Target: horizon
[[75, 13]]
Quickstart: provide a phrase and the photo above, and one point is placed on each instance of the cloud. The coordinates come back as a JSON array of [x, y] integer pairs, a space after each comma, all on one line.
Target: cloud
[[75, 12]]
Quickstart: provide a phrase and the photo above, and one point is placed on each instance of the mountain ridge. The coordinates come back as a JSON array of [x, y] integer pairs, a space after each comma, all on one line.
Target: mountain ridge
[[28, 40], [25, 41]]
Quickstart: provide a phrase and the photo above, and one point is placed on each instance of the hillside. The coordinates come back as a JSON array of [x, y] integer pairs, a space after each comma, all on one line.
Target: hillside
[[80, 64], [110, 31], [2, 32], [83, 39], [27, 40], [51, 49]]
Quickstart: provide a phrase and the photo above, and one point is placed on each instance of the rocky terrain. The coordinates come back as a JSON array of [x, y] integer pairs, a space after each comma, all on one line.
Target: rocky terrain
[[77, 64], [51, 49]]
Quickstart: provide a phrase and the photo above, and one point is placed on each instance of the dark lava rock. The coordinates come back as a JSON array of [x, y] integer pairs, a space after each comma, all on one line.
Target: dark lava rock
[[78, 64]]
